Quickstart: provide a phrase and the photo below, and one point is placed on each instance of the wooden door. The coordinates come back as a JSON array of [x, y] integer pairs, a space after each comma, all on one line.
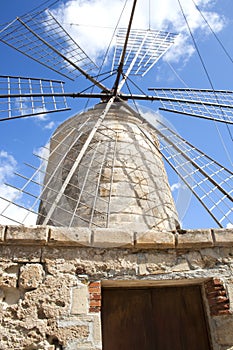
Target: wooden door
[[161, 318]]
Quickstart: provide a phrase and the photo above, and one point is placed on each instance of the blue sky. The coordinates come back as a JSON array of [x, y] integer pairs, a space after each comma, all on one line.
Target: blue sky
[[19, 138]]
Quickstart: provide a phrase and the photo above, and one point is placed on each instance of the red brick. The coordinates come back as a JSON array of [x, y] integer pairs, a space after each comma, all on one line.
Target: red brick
[[220, 306], [94, 309], [217, 281], [95, 302], [95, 284], [222, 299], [94, 290], [218, 300], [217, 297], [95, 297], [212, 288], [217, 293], [220, 312], [224, 312]]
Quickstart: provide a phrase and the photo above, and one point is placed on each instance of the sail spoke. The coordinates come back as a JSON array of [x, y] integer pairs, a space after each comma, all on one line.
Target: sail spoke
[[21, 97], [40, 37], [144, 49], [209, 181], [209, 104]]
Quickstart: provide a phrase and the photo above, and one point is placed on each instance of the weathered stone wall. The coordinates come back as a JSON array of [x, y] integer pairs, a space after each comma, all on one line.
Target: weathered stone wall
[[51, 278]]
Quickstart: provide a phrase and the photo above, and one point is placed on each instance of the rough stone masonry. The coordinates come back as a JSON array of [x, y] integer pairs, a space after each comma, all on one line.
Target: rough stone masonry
[[51, 279]]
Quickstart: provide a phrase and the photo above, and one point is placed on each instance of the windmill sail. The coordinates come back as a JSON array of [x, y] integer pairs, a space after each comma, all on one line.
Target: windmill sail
[[40, 37], [209, 181], [22, 97], [208, 104], [144, 49]]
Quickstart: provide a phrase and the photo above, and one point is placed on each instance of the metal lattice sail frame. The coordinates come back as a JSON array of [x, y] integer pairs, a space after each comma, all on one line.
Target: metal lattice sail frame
[[136, 52], [203, 103], [144, 49], [53, 48], [20, 102], [209, 181]]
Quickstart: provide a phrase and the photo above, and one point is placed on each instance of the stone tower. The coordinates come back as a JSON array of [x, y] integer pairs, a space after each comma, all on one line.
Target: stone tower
[[120, 180]]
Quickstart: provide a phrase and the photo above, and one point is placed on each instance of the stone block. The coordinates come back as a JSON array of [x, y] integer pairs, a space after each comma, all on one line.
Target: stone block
[[223, 237], [195, 260], [211, 257], [112, 238], [195, 239], [224, 329], [31, 276], [8, 280], [142, 269], [11, 295], [97, 337], [79, 236], [26, 235], [20, 253], [181, 265], [162, 258], [79, 300], [155, 239], [2, 233]]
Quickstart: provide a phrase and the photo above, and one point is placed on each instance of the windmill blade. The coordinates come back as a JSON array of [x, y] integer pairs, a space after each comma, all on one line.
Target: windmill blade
[[57, 183], [77, 161], [209, 181], [22, 97], [144, 49], [208, 104], [40, 37]]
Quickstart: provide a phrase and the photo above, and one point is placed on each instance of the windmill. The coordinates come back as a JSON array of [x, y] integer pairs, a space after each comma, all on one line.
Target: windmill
[[55, 192]]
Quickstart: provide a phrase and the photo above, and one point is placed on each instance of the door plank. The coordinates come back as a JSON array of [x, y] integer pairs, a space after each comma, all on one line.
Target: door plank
[[126, 320], [179, 319]]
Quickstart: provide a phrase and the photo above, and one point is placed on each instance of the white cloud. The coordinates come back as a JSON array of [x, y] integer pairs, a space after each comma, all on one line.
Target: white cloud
[[83, 20], [42, 116], [216, 23], [180, 48], [24, 105], [8, 210], [43, 154], [178, 186], [175, 186], [229, 225], [7, 165], [50, 125]]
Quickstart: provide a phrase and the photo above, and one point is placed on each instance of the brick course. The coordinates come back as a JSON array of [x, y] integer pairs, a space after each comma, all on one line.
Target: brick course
[[94, 296], [217, 297]]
